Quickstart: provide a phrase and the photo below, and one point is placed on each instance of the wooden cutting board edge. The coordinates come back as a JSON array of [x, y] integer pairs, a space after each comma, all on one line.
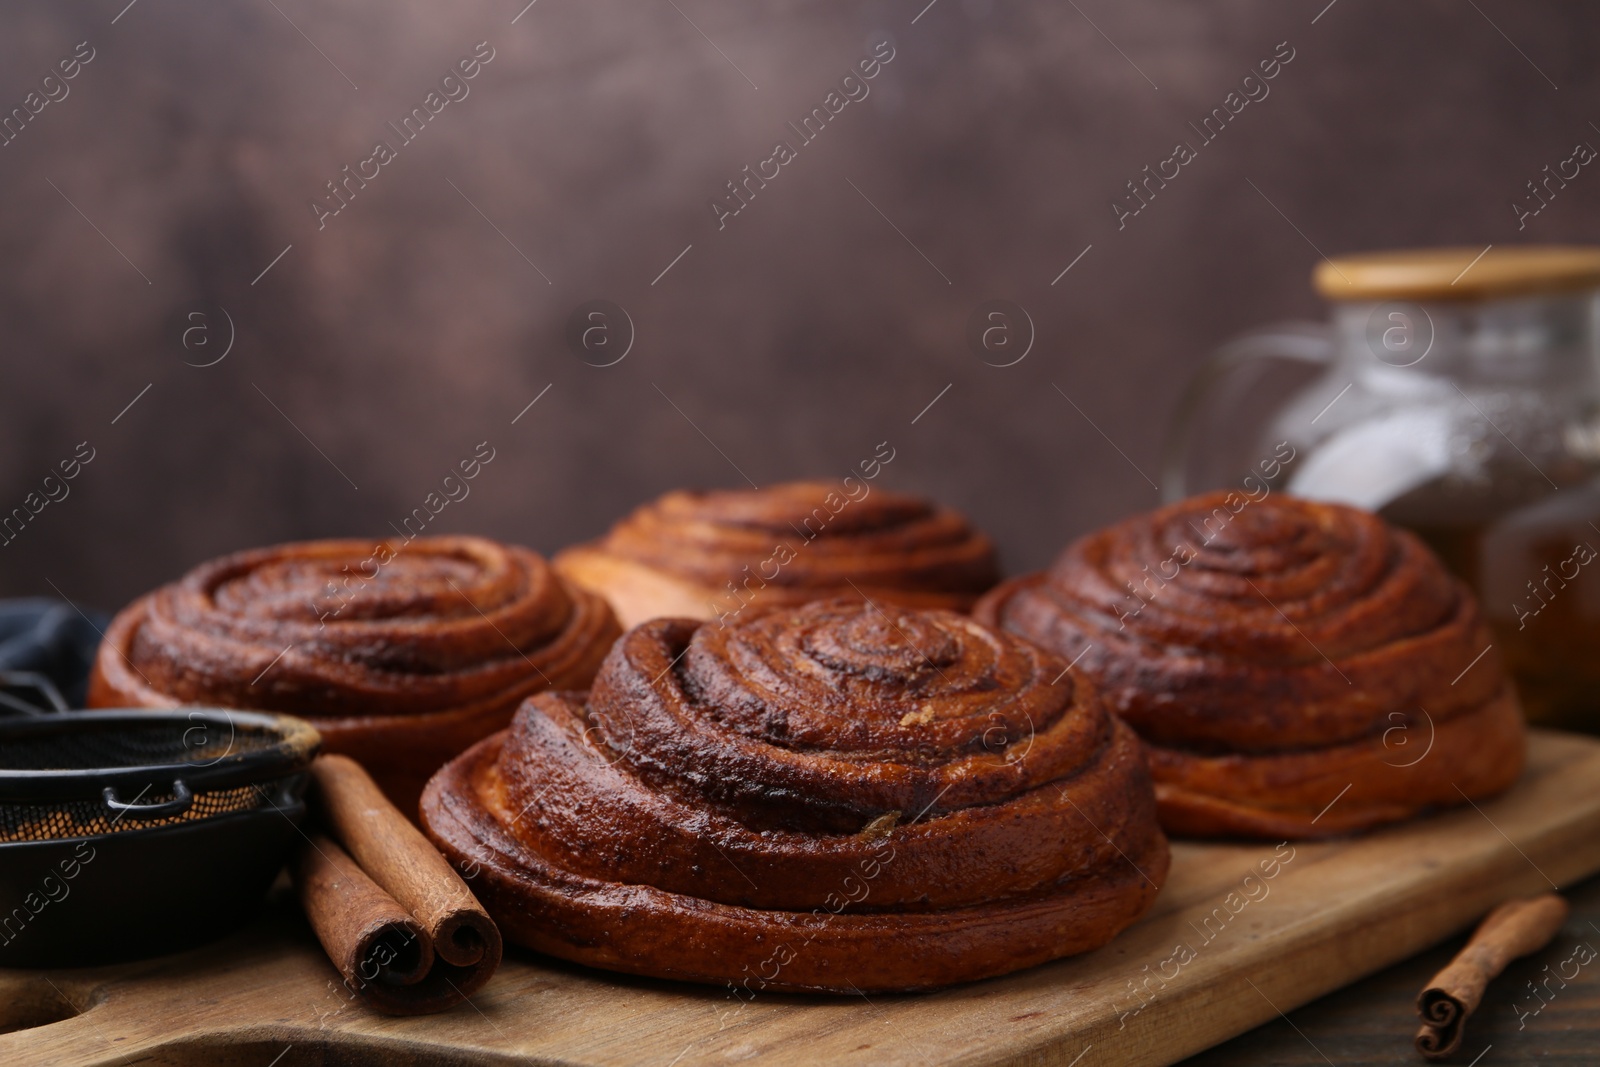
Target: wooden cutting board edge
[[1216, 1003]]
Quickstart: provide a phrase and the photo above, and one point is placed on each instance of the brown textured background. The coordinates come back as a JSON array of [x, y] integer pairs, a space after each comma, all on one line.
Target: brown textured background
[[797, 338]]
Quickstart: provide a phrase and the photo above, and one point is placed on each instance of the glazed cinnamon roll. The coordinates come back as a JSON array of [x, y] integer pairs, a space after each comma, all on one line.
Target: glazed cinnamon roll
[[730, 554], [1295, 669], [401, 653], [839, 797]]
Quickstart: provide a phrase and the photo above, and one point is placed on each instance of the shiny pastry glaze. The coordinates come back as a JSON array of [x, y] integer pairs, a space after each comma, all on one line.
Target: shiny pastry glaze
[[839, 795], [1272, 653], [401, 653]]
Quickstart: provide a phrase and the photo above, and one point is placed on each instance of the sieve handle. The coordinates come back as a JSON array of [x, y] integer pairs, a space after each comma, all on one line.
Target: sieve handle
[[182, 800]]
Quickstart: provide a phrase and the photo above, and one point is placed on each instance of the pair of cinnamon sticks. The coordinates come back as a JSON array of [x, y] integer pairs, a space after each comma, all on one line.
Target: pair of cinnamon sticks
[[395, 919]]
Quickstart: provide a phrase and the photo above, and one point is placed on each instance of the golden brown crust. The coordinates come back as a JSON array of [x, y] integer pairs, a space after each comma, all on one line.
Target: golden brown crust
[[831, 796], [1273, 653], [401, 653], [734, 553]]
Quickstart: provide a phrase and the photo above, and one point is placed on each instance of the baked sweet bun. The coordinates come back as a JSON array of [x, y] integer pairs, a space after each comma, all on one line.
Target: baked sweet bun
[[841, 797], [401, 653], [729, 554], [1296, 669]]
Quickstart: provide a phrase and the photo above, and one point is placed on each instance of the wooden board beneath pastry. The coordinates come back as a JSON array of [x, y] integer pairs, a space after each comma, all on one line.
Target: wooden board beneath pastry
[[1200, 968]]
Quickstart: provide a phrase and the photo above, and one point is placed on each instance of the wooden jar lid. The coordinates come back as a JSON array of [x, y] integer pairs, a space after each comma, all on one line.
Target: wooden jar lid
[[1458, 273]]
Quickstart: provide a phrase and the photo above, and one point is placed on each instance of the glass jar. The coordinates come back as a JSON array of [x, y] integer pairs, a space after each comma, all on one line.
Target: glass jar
[[1457, 393]]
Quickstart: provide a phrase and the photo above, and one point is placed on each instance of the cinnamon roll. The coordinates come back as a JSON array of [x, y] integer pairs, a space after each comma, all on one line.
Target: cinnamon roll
[[1296, 669], [732, 553], [401, 653], [840, 797]]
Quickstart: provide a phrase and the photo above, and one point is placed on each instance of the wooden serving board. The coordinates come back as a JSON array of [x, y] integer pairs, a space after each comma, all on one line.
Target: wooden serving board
[[1207, 966]]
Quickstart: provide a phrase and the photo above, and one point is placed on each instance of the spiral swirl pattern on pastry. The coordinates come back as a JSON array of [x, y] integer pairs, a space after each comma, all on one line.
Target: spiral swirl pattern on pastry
[[733, 553], [401, 653], [1272, 654], [843, 794]]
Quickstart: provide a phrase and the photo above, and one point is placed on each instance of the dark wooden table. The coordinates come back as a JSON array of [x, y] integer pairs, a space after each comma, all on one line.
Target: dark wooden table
[[1374, 1021]]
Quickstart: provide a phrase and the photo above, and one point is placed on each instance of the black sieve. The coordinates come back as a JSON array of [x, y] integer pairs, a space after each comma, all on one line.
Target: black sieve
[[132, 833]]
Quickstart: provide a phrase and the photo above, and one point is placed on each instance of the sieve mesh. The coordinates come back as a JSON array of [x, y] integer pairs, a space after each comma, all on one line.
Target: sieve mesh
[[176, 739], [82, 818], [94, 747]]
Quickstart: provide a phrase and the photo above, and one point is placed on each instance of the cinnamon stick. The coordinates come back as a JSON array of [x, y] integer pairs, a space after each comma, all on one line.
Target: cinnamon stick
[[398, 922], [376, 945], [1515, 928]]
